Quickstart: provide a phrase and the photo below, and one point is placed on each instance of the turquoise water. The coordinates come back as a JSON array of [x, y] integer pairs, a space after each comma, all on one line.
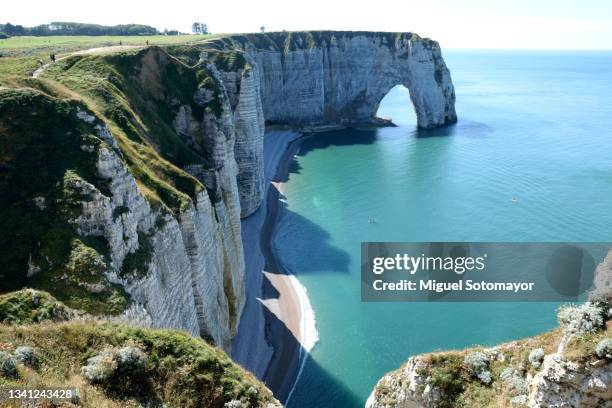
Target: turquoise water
[[536, 126]]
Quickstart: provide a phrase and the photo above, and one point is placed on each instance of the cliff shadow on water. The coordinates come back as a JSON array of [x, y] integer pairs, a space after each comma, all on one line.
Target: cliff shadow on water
[[323, 140], [463, 128], [275, 377], [335, 259]]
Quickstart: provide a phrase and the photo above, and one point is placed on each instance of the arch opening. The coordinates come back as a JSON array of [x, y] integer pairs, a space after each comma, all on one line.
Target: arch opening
[[397, 107]]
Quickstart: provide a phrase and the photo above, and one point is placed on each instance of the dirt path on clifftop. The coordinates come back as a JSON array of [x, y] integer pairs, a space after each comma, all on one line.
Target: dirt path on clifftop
[[92, 51]]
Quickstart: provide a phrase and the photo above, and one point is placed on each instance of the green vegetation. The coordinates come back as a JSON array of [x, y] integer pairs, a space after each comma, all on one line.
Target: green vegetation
[[69, 28], [18, 66], [23, 55], [42, 154], [136, 93], [139, 92], [447, 374], [583, 347], [27, 45], [302, 40], [155, 366], [456, 373], [228, 60], [31, 306], [136, 263]]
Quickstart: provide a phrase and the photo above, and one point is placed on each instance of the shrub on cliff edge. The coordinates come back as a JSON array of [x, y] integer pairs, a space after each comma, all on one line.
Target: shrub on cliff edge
[[585, 318], [535, 357], [604, 348], [477, 364]]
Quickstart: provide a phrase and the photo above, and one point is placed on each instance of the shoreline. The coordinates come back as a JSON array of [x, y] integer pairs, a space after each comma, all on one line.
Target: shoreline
[[293, 307], [277, 328]]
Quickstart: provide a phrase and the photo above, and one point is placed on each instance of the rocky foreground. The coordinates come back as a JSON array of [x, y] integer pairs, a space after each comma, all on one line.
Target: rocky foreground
[[567, 367], [44, 344]]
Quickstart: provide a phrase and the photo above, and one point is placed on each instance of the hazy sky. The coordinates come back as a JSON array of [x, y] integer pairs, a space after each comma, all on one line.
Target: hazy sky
[[526, 24]]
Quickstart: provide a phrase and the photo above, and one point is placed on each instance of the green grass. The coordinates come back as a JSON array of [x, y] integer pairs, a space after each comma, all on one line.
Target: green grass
[[40, 141], [23, 55], [136, 263], [20, 46], [31, 306], [182, 371], [447, 375], [18, 66], [139, 99], [583, 347]]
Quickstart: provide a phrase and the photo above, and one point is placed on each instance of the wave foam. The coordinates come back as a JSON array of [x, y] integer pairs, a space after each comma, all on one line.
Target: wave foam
[[308, 328]]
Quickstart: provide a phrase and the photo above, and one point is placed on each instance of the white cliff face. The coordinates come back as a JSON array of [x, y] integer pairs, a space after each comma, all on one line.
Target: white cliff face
[[341, 78], [335, 82], [243, 88], [119, 217], [194, 280]]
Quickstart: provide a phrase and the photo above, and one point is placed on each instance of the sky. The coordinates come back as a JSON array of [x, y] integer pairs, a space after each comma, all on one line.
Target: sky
[[463, 24]]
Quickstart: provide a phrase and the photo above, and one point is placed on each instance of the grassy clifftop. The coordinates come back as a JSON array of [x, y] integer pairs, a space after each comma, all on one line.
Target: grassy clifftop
[[125, 366], [138, 94], [31, 306], [22, 55], [287, 41]]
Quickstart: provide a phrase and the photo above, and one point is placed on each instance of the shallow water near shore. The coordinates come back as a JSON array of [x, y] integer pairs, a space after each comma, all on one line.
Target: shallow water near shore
[[534, 126]]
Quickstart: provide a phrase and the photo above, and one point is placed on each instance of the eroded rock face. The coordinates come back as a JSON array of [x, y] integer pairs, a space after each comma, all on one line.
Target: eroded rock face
[[119, 217], [194, 279], [408, 387], [563, 383], [559, 383], [243, 90], [339, 78]]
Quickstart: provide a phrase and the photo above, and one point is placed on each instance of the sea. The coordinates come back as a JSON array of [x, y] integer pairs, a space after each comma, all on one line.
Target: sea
[[530, 160]]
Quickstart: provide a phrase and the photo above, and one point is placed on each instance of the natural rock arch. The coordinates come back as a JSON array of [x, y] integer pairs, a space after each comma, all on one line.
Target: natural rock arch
[[329, 78]]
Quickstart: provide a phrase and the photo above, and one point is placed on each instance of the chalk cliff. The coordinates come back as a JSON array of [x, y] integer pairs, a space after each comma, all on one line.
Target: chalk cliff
[[152, 183], [243, 84], [327, 78]]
